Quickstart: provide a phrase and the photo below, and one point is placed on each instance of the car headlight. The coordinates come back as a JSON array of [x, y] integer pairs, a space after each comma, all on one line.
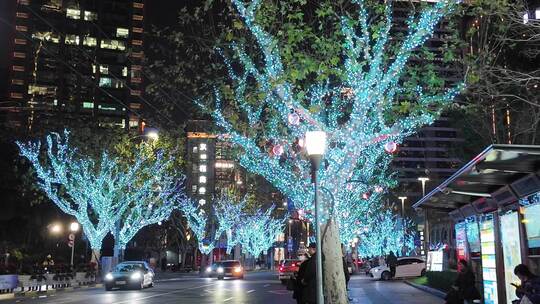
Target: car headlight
[[238, 269], [220, 270], [109, 277], [208, 269], [136, 276], [376, 270]]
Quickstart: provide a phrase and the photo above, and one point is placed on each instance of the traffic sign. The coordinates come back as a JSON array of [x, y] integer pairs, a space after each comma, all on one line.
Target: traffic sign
[[71, 243], [71, 237]]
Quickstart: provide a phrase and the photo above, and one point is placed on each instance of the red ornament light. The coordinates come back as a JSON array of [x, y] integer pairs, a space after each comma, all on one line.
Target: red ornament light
[[365, 196], [278, 150], [390, 147], [293, 119]]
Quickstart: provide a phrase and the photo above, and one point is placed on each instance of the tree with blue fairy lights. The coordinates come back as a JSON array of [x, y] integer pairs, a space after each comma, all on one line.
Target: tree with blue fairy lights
[[229, 215], [104, 195], [257, 232], [267, 117]]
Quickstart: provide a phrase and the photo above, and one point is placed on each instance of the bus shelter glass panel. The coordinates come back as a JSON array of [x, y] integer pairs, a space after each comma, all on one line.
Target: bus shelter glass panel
[[511, 252], [489, 273]]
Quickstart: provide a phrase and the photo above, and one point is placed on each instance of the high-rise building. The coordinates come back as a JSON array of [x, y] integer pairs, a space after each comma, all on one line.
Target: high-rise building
[[75, 61]]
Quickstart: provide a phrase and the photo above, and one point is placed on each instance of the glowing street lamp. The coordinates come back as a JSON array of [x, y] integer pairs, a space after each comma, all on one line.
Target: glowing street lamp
[[153, 135], [316, 146], [73, 227], [402, 199], [55, 228], [423, 180]]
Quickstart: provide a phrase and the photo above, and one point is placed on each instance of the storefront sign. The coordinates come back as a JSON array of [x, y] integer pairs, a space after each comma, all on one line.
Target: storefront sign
[[511, 252], [435, 261], [489, 273], [8, 281]]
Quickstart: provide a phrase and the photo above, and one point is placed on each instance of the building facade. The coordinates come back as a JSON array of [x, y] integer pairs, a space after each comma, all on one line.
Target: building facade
[[76, 60]]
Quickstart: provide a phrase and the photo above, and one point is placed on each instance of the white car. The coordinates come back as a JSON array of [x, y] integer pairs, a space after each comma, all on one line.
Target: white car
[[406, 267]]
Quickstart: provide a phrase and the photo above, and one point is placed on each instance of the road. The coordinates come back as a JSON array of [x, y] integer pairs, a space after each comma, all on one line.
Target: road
[[261, 287]]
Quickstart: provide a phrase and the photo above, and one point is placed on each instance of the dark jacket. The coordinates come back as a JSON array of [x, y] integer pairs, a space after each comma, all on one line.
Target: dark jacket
[[391, 260], [531, 289], [465, 283], [346, 271], [307, 279]]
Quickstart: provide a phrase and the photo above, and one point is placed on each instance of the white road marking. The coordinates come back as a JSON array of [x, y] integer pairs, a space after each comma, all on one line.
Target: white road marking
[[228, 299], [266, 285], [250, 291], [162, 294]]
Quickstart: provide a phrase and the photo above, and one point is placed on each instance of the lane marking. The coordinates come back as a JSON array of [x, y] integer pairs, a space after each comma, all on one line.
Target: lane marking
[[162, 294], [250, 291], [266, 285], [228, 299]]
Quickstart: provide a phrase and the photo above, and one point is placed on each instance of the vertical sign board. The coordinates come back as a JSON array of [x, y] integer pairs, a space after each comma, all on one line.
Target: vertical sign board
[[461, 241], [489, 273], [511, 252]]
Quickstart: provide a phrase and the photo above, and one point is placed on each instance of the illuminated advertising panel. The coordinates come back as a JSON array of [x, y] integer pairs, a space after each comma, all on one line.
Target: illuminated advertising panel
[[511, 252], [532, 225], [473, 236], [489, 274], [461, 241]]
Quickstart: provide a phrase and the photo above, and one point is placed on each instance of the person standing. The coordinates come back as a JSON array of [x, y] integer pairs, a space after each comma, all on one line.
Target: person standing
[[530, 285], [307, 277], [465, 284], [391, 262]]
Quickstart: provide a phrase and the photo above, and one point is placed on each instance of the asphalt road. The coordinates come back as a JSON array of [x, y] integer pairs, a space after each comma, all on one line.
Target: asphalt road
[[256, 288], [260, 287]]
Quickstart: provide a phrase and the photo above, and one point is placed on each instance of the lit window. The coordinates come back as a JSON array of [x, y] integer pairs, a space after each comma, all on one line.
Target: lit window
[[136, 80], [525, 18], [72, 13], [537, 13], [125, 71], [21, 28], [23, 2], [90, 16], [17, 81], [137, 54], [137, 30], [22, 15], [107, 82], [20, 41], [202, 147], [202, 202], [88, 105], [94, 69], [204, 156], [134, 105], [19, 55], [202, 179], [224, 165], [135, 92], [104, 69], [194, 188], [195, 150], [136, 42], [90, 41], [138, 17], [41, 90], [18, 68], [133, 123], [16, 95], [122, 32], [107, 108], [72, 39], [112, 44], [202, 168], [46, 36], [202, 190]]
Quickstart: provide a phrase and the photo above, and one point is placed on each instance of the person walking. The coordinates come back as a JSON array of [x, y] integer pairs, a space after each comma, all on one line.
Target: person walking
[[307, 278], [391, 262], [465, 284], [530, 285]]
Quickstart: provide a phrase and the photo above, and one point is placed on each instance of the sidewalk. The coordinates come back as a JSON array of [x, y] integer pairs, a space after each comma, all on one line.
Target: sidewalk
[[365, 290]]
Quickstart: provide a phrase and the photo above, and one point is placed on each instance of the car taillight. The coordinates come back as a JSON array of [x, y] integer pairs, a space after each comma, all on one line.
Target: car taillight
[[280, 268], [293, 264]]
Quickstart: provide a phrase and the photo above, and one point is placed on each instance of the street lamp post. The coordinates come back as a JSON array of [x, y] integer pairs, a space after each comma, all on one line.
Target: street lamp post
[[423, 180], [402, 199], [73, 227], [289, 240], [316, 146]]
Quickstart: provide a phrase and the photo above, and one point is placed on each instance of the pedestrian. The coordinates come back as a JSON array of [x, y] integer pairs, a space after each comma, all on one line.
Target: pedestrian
[[307, 278], [529, 290], [465, 284], [345, 267], [391, 262]]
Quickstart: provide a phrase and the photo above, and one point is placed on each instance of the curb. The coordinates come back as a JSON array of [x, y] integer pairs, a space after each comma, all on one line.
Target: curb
[[48, 291], [7, 296], [433, 291]]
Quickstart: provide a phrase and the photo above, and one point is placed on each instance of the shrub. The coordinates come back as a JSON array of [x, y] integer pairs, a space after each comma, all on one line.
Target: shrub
[[441, 280]]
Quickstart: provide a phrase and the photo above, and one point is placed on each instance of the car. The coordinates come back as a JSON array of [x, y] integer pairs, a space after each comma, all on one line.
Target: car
[[230, 268], [406, 267], [132, 274], [211, 270], [287, 268]]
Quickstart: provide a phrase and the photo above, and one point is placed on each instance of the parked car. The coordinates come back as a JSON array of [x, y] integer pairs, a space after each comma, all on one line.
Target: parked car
[[406, 267], [132, 274], [287, 268], [231, 268]]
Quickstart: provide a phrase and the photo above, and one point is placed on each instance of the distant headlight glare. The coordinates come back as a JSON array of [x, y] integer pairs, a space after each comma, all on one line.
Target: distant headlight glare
[[109, 277], [136, 276], [220, 270], [208, 269]]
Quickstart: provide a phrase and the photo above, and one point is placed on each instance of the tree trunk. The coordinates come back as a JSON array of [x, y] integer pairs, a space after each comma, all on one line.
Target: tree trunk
[[335, 291], [96, 255]]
